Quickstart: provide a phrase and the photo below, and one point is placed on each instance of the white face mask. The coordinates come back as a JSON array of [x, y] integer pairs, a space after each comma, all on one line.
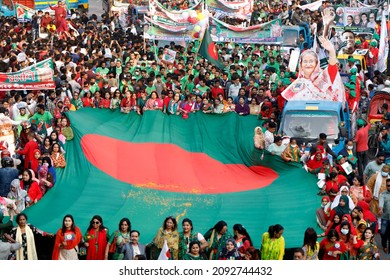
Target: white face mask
[[385, 174], [293, 145], [344, 231], [349, 147]]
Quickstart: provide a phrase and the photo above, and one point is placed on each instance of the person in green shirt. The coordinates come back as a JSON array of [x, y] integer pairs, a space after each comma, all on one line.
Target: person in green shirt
[[93, 86], [103, 70], [150, 86], [202, 87], [41, 115]]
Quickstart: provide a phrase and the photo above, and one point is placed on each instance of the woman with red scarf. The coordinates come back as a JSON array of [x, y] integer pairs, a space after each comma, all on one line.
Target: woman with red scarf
[[67, 239], [315, 163], [96, 239]]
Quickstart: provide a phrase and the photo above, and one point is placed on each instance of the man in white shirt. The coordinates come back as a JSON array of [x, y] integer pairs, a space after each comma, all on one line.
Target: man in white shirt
[[269, 134], [234, 87]]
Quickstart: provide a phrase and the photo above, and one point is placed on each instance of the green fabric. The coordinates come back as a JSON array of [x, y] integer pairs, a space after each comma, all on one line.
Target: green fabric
[[83, 190]]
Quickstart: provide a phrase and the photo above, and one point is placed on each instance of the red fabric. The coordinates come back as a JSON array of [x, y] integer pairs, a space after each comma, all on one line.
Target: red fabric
[[313, 163], [332, 70], [353, 229], [70, 244], [328, 246], [367, 214], [28, 152], [361, 138], [160, 173], [216, 91], [87, 102], [34, 192], [332, 188], [45, 21], [104, 103], [101, 241], [60, 15]]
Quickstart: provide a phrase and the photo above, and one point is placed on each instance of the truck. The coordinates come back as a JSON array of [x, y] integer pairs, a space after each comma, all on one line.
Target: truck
[[291, 37], [305, 120], [37, 5]]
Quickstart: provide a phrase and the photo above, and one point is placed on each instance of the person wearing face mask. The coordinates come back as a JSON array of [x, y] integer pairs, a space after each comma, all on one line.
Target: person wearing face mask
[[377, 185], [349, 240]]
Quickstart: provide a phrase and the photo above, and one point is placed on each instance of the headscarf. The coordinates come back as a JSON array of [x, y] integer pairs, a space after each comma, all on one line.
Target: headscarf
[[341, 210], [319, 82], [233, 254], [336, 200], [349, 219], [367, 214], [313, 163]]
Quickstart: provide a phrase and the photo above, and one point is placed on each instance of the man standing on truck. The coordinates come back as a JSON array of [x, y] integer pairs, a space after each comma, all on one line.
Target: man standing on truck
[[60, 17]]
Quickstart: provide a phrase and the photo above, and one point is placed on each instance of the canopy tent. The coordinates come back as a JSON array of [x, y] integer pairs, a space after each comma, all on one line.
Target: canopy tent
[[125, 165]]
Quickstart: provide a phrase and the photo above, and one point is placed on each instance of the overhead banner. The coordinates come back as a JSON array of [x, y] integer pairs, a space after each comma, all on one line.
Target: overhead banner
[[24, 13], [365, 16], [36, 77], [155, 32], [270, 32], [311, 6], [237, 9]]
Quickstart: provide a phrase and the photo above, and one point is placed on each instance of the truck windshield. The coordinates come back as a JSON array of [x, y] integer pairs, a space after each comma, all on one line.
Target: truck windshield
[[309, 124], [290, 38]]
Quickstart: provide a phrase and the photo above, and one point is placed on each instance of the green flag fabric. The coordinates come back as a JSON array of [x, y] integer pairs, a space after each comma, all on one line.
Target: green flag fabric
[[153, 166], [209, 51]]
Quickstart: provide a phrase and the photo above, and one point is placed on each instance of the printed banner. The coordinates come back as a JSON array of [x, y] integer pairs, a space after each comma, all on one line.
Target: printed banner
[[156, 33], [169, 56], [230, 9], [270, 32], [193, 15], [24, 13], [365, 16], [36, 77], [311, 6], [344, 43]]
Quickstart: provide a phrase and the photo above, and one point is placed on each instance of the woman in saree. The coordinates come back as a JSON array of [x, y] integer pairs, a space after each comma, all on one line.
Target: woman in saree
[[217, 237], [167, 232], [367, 248], [120, 237]]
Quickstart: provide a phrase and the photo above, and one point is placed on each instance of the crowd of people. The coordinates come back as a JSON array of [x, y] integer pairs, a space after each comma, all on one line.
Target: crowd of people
[[104, 65]]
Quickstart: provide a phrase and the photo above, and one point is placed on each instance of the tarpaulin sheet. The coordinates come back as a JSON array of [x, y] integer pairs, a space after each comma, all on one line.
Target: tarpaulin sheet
[[152, 166]]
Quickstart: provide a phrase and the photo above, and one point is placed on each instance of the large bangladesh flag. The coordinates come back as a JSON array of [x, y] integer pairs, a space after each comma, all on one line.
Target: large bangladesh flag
[[209, 51], [152, 166]]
